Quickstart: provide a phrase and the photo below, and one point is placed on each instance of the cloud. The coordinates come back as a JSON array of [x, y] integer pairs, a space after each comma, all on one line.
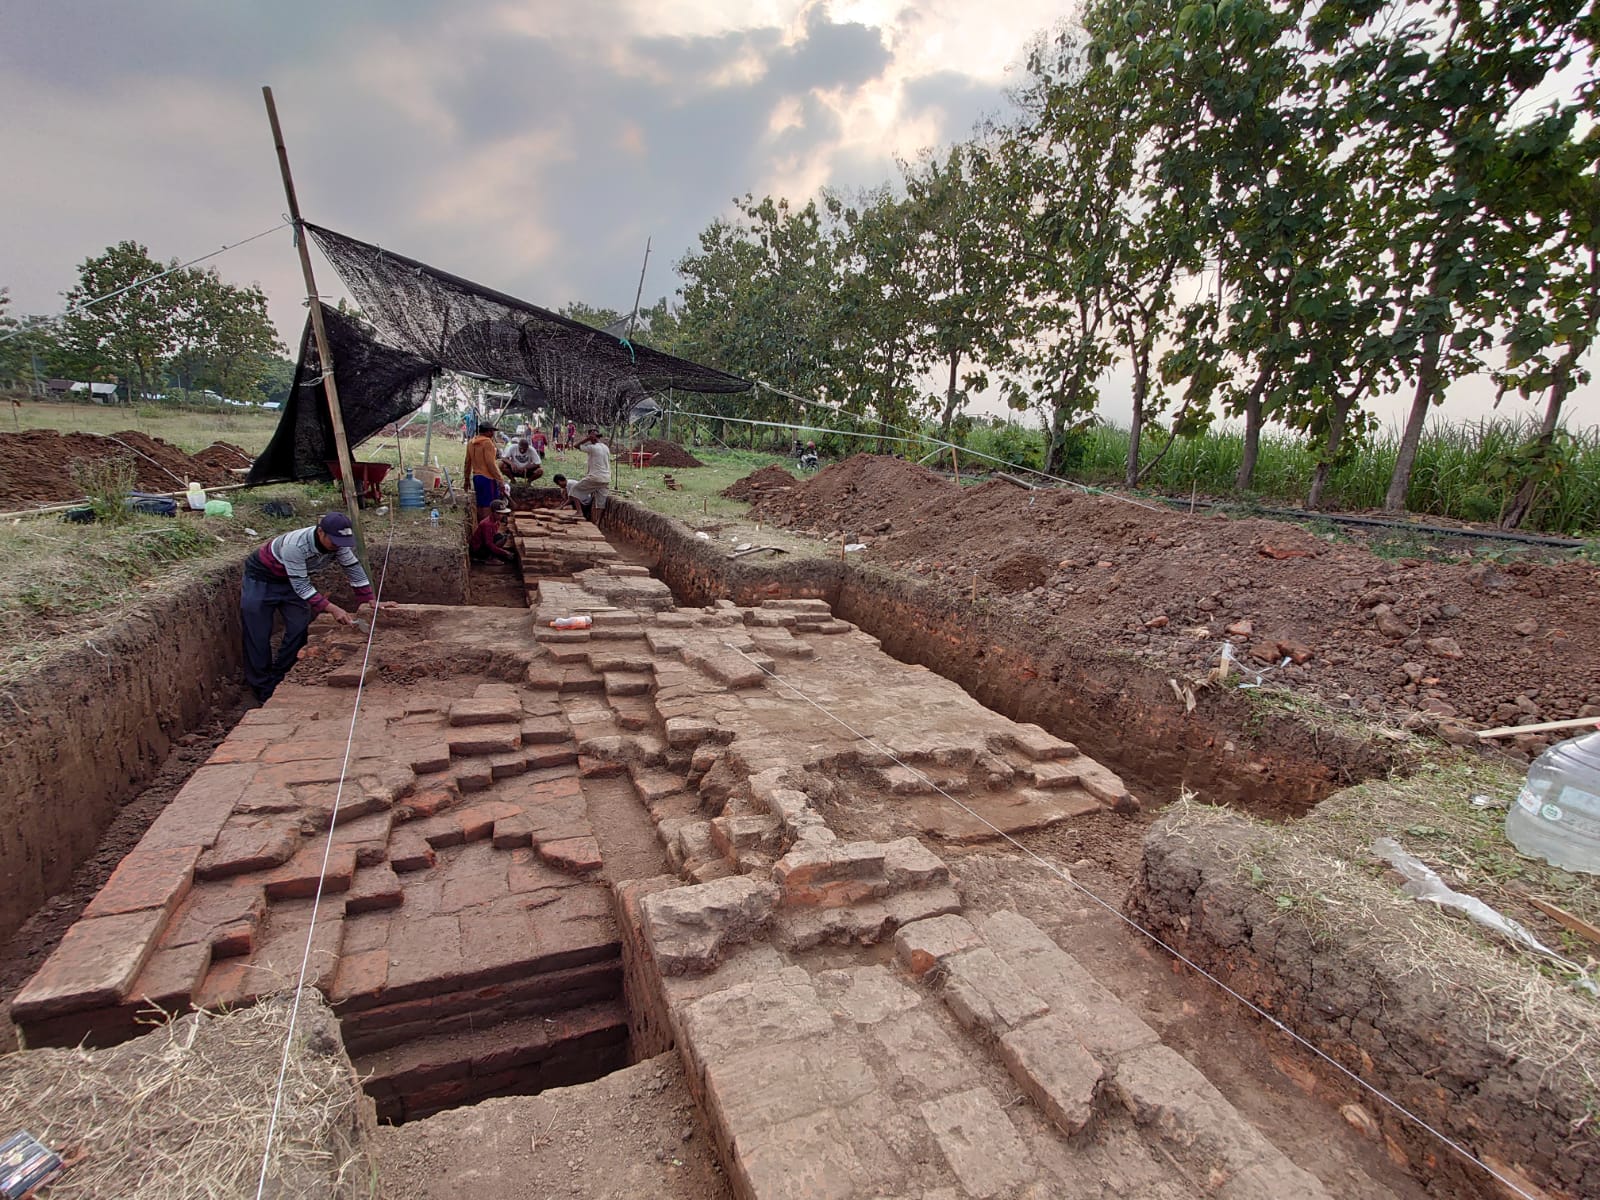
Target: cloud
[[532, 144]]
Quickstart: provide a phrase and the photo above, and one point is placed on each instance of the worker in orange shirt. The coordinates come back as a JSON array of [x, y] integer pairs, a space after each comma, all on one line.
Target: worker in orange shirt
[[483, 468]]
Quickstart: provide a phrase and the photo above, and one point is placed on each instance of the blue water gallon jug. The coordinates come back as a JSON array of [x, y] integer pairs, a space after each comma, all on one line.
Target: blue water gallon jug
[[411, 491]]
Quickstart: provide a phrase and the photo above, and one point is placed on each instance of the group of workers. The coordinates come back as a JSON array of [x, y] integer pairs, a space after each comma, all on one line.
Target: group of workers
[[277, 576], [471, 427]]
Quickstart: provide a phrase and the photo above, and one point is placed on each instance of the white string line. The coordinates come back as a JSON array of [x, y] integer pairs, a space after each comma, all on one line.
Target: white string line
[[139, 283], [322, 874], [1132, 924], [1055, 480], [862, 417]]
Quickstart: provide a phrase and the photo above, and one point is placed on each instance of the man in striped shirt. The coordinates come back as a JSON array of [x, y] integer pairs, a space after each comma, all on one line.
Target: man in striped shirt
[[277, 582]]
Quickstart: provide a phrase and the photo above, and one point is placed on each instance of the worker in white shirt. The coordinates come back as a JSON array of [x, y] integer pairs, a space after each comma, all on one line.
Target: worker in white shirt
[[588, 495]]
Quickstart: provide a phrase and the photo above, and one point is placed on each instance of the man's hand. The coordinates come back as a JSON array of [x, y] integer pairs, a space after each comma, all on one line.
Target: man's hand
[[339, 615]]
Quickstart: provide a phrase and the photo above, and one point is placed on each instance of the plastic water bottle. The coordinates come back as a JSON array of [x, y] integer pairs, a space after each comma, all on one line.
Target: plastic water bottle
[[579, 622], [434, 515], [1557, 814]]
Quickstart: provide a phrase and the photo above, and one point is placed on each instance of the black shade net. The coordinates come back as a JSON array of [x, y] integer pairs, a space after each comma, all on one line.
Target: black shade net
[[377, 384], [418, 321]]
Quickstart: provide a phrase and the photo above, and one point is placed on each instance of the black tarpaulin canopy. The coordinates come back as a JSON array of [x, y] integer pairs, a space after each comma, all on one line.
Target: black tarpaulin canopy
[[417, 321]]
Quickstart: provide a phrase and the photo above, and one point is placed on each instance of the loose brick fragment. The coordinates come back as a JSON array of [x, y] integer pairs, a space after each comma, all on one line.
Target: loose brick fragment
[[577, 855], [922, 945]]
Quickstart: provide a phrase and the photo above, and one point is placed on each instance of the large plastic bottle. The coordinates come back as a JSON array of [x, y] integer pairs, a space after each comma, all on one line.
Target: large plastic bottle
[[410, 491], [1557, 814], [197, 497]]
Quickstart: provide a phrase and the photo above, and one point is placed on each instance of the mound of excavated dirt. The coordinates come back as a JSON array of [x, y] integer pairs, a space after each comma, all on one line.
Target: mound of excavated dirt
[[1488, 643], [860, 495], [668, 454], [1020, 572], [221, 458], [35, 467], [759, 482]]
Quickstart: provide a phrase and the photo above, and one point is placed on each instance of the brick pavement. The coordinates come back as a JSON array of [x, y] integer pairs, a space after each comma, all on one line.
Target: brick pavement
[[466, 934]]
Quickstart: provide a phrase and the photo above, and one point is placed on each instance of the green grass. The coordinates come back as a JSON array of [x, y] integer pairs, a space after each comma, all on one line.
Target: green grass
[[57, 579], [1459, 471]]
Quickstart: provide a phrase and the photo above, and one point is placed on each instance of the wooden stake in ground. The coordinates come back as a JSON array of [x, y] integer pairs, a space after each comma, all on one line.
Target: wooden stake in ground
[[955, 466], [319, 330]]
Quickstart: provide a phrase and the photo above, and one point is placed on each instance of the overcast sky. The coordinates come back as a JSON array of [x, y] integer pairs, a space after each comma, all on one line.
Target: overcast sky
[[528, 144]]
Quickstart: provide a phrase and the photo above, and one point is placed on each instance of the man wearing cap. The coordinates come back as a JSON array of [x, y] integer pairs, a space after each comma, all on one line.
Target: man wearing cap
[[488, 537], [277, 581], [483, 468], [588, 495]]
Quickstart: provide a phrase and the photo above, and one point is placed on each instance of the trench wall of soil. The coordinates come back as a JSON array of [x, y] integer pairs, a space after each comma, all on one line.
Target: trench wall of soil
[[90, 726], [1409, 1034], [1231, 749]]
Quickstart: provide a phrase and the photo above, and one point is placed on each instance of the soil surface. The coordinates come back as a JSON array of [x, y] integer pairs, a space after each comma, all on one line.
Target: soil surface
[[1475, 641], [631, 1133], [758, 483], [668, 454], [35, 467], [32, 944]]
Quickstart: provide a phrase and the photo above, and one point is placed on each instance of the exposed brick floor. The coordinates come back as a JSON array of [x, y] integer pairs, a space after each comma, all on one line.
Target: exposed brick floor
[[466, 936]]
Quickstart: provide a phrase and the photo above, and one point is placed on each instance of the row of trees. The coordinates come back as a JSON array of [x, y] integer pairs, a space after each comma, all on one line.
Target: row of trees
[[1271, 211], [187, 331]]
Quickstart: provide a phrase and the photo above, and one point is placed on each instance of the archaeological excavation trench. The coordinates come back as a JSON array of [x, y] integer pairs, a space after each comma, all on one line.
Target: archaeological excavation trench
[[555, 852]]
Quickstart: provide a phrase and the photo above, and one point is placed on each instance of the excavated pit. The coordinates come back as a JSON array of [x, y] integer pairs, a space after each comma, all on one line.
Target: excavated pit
[[1230, 748], [507, 905]]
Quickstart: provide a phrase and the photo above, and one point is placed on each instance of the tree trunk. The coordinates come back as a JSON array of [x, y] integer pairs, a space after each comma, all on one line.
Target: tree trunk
[[1252, 430], [1052, 455], [1421, 402], [1330, 451], [1560, 385], [1141, 392], [950, 397]]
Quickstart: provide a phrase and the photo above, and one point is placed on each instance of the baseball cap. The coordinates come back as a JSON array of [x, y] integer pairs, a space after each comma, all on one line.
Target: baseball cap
[[336, 528], [500, 506]]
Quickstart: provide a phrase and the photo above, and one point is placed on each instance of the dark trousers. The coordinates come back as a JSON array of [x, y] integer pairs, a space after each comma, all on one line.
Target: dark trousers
[[259, 601]]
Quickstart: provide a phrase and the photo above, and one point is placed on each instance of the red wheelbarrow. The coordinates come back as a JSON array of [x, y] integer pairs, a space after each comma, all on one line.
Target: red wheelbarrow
[[369, 478]]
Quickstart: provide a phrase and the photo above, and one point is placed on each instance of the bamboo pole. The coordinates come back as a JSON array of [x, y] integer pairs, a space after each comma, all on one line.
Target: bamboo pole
[[319, 330], [955, 465], [1542, 727]]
